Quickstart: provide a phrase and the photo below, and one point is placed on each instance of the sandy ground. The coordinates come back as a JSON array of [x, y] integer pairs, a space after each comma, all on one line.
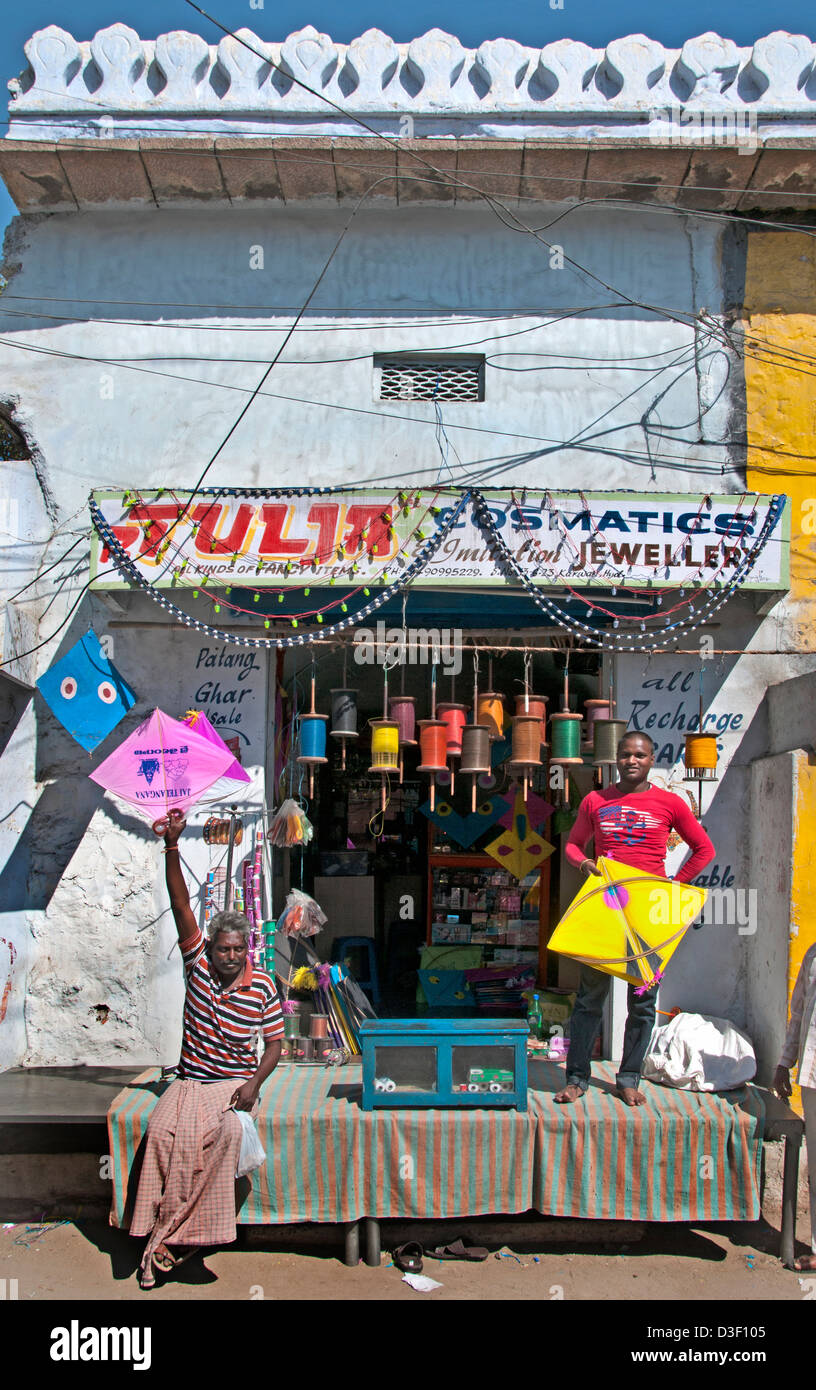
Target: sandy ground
[[90, 1261]]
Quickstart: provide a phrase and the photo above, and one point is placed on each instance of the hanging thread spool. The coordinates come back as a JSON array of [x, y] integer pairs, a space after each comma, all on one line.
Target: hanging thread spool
[[526, 746], [475, 756], [433, 745], [526, 741], [454, 717], [403, 712], [490, 713], [537, 705], [433, 740], [594, 710], [700, 757], [313, 738], [606, 735], [565, 731], [384, 745], [344, 714]]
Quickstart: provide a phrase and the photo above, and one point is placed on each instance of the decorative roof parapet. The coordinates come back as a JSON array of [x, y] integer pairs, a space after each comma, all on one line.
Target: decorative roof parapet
[[118, 84]]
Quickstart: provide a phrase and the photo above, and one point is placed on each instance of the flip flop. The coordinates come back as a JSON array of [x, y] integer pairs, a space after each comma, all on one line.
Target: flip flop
[[459, 1250], [408, 1257], [168, 1262]]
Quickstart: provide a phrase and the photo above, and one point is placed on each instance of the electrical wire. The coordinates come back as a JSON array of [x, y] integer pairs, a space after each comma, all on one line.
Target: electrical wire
[[691, 464]]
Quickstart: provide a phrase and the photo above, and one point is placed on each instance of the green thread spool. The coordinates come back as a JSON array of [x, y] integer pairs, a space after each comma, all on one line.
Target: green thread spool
[[565, 732], [607, 735]]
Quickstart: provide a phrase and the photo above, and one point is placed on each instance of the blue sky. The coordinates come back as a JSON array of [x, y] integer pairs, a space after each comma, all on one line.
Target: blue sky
[[530, 21]]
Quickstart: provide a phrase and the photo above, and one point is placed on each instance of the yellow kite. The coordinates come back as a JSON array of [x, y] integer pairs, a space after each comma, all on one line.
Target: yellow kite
[[627, 922]]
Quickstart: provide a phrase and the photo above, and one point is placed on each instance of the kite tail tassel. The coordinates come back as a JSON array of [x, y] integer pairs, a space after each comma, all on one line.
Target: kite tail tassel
[[642, 989]]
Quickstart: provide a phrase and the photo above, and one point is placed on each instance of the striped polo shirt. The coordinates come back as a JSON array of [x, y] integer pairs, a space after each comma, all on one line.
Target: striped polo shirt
[[222, 1026]]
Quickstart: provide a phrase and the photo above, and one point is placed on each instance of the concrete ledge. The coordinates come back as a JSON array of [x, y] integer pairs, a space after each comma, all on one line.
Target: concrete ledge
[[65, 175]]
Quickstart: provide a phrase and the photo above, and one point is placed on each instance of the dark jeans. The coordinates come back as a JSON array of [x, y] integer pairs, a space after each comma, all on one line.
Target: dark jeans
[[585, 1025]]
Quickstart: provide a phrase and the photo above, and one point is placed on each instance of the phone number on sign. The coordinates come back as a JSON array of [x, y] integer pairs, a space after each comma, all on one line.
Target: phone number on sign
[[454, 569]]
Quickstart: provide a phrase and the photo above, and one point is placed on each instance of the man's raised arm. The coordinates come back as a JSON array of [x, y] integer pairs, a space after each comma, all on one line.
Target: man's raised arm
[[171, 827]]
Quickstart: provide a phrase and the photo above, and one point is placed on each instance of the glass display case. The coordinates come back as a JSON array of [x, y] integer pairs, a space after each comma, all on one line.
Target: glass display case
[[444, 1062]]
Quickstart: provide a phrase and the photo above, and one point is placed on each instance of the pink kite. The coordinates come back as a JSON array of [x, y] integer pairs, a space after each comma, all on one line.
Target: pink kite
[[164, 765], [231, 784], [538, 810]]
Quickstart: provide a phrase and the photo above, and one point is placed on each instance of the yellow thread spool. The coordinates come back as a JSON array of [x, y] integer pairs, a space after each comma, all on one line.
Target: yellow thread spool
[[490, 713], [384, 745], [700, 757]]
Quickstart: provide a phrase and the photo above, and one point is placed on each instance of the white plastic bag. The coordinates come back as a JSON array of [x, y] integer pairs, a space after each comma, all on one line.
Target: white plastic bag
[[696, 1052], [253, 1153]]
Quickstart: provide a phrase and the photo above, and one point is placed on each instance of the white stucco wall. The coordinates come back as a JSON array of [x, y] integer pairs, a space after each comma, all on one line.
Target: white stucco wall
[[401, 281]]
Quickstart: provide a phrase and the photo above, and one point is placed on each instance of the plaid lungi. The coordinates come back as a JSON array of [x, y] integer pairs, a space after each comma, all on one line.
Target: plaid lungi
[[186, 1193]]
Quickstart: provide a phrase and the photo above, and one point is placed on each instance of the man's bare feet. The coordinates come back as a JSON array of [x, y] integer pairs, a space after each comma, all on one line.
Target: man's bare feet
[[568, 1095], [807, 1263], [630, 1096]]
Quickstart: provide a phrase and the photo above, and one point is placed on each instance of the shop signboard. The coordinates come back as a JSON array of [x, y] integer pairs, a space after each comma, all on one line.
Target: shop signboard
[[559, 539]]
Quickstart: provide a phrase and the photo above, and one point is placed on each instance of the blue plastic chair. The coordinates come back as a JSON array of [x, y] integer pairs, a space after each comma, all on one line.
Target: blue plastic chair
[[344, 946]]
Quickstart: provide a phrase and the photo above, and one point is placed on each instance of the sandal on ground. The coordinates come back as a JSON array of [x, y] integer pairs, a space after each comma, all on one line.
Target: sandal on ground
[[166, 1260], [459, 1250], [408, 1257]]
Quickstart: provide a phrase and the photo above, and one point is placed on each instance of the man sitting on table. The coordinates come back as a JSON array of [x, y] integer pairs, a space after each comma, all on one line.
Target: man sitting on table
[[186, 1193], [629, 822]]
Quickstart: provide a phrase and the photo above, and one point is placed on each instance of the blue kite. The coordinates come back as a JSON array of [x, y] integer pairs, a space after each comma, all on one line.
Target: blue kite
[[86, 692]]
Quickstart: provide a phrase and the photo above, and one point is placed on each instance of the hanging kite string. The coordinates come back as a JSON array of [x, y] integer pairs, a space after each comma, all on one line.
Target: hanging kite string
[[379, 815]]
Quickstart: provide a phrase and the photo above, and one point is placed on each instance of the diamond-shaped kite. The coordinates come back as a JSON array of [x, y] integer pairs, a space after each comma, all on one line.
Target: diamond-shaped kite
[[627, 922], [86, 693], [465, 830], [520, 850]]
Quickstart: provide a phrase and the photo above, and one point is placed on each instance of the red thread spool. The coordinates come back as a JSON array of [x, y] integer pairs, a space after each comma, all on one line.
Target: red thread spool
[[455, 717], [319, 1026], [433, 745], [537, 705]]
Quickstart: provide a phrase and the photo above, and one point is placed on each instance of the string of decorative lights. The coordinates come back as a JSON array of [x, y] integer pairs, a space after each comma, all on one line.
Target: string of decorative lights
[[402, 502], [628, 641], [694, 582], [125, 566], [341, 602], [498, 550]]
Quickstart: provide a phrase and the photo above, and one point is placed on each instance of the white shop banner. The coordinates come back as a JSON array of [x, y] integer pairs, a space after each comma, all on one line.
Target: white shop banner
[[259, 539]]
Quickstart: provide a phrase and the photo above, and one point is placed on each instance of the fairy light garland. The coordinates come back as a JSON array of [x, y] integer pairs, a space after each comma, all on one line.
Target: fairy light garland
[[402, 502], [127, 568], [696, 583], [628, 641]]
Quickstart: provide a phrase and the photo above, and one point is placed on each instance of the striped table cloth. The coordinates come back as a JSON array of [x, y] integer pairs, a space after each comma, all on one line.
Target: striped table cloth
[[680, 1157]]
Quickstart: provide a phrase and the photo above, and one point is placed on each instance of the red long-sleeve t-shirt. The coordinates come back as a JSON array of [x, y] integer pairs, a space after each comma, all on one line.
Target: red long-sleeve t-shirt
[[633, 829]]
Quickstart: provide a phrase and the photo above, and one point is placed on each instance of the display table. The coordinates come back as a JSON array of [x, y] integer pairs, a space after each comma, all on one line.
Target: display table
[[680, 1157]]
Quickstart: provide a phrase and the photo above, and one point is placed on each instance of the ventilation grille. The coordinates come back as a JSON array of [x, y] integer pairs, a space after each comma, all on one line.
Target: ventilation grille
[[403, 379]]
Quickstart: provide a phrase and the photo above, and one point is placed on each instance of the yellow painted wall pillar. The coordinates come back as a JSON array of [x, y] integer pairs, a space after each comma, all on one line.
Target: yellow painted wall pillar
[[780, 389]]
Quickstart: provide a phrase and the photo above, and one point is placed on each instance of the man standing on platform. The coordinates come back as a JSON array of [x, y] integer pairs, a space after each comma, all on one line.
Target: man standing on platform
[[629, 822], [186, 1192]]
